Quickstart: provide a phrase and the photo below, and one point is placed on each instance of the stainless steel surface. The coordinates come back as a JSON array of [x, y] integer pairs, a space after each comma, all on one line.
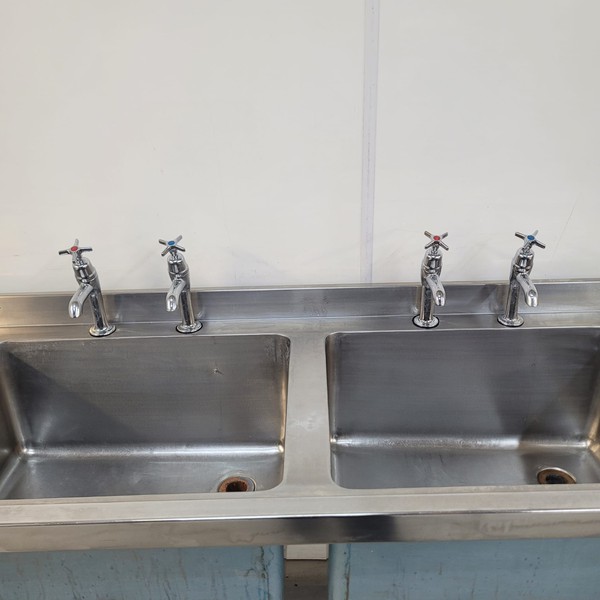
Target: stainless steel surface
[[520, 270], [432, 290], [179, 293], [142, 416], [537, 399], [89, 287], [484, 407]]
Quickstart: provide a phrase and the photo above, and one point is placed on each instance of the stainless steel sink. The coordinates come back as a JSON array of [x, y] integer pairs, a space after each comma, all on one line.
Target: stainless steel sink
[[142, 415], [391, 433], [463, 407]]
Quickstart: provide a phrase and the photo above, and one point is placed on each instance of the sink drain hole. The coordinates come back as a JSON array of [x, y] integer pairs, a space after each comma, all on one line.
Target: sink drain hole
[[237, 484], [555, 476]]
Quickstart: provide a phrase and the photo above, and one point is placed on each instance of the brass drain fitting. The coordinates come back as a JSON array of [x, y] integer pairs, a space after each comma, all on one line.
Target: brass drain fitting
[[237, 484]]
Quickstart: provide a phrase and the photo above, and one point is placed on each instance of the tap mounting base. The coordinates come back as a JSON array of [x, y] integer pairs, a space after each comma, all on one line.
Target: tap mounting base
[[426, 324], [197, 326], [507, 322], [102, 332]]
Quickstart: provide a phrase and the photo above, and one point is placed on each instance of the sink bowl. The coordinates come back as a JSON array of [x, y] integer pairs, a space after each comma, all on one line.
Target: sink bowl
[[141, 415], [463, 407]]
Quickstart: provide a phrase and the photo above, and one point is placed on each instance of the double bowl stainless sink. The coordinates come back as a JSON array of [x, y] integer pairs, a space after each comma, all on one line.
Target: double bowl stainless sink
[[351, 424]]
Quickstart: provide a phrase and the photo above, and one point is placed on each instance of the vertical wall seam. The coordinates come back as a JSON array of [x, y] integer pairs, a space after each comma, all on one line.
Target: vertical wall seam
[[371, 69]]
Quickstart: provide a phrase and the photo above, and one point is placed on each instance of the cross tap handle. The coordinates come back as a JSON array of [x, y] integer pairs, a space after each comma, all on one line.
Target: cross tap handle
[[436, 240], [530, 240], [75, 250], [171, 245]]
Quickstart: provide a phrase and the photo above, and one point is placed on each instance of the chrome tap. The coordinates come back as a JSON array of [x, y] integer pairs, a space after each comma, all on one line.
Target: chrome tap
[[89, 287], [179, 293], [519, 280], [432, 290]]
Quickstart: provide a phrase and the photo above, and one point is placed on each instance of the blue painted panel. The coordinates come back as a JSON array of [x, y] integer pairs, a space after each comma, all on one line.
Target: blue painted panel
[[567, 569], [250, 573]]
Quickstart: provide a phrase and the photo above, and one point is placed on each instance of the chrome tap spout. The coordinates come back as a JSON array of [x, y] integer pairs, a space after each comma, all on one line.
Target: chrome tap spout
[[520, 268], [89, 287], [529, 290], [78, 300], [432, 290], [437, 289], [178, 285], [179, 294]]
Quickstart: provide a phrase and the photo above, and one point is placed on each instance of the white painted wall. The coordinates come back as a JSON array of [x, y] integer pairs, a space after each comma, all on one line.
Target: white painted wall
[[236, 123], [240, 125], [488, 123]]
